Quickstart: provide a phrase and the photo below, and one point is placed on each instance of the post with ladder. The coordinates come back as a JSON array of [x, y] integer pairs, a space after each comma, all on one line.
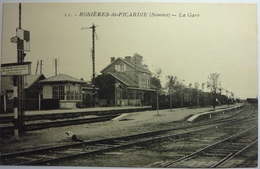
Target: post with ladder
[[93, 27]]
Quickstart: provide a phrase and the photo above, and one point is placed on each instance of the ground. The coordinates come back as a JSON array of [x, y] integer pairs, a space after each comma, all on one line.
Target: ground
[[126, 124]]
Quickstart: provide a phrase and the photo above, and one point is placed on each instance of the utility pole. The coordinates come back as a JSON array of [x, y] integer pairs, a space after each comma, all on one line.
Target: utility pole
[[39, 62], [135, 80], [93, 27], [40, 66], [37, 67], [56, 66]]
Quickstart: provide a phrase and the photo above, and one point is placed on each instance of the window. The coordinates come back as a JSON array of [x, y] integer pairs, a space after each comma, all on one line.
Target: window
[[143, 82], [148, 82], [73, 92], [120, 68], [77, 93], [70, 92], [58, 92], [72, 97]]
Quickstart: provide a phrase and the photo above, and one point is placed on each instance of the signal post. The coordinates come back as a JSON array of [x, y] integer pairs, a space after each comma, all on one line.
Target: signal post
[[18, 71]]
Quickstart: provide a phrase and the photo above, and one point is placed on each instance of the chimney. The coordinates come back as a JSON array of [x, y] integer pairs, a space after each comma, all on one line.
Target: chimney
[[112, 59], [128, 58]]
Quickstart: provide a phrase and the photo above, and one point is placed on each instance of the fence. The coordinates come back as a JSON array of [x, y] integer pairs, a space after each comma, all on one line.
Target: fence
[[32, 104]]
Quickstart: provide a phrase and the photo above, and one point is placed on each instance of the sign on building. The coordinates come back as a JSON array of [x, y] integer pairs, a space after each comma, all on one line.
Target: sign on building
[[16, 69]]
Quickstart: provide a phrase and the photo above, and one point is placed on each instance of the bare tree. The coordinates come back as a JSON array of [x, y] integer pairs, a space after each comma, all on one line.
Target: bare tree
[[213, 83]]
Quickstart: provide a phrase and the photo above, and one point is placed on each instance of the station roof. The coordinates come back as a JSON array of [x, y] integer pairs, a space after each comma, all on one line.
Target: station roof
[[29, 80], [124, 80], [138, 67], [130, 84], [62, 78]]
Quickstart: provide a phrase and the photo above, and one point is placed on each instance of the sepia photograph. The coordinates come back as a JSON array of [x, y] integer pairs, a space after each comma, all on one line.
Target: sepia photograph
[[129, 84]]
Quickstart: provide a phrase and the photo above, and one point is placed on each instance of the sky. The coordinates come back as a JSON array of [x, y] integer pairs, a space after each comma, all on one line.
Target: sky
[[222, 38]]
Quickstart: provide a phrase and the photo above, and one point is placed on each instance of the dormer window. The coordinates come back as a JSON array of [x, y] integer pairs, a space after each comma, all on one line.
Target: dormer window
[[120, 67]]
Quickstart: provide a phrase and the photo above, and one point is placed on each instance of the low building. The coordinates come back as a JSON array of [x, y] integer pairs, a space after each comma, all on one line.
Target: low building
[[67, 89]]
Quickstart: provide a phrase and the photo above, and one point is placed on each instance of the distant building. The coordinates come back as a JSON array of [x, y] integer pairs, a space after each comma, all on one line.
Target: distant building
[[133, 81], [65, 88], [31, 89]]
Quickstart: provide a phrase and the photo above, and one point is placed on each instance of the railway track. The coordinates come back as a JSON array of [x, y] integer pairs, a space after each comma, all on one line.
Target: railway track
[[218, 153], [48, 156], [4, 131], [240, 114]]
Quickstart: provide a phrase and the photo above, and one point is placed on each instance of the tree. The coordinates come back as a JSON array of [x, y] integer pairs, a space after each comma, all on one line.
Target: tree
[[137, 59], [170, 86], [228, 100], [155, 79], [181, 88], [190, 85], [213, 83], [157, 82], [106, 84], [196, 87], [202, 87], [220, 92]]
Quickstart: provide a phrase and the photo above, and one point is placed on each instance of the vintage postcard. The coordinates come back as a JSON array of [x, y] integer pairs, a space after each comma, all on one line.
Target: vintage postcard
[[127, 84]]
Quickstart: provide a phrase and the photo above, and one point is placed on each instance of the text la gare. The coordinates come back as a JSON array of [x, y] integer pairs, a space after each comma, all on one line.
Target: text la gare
[[188, 15]]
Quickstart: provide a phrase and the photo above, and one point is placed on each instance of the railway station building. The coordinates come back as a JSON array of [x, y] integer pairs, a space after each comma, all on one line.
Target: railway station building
[[66, 89], [132, 81]]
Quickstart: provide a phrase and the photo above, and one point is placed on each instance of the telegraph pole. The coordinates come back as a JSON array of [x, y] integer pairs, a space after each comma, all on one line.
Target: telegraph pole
[[93, 63], [93, 27], [37, 67], [56, 66], [40, 66]]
